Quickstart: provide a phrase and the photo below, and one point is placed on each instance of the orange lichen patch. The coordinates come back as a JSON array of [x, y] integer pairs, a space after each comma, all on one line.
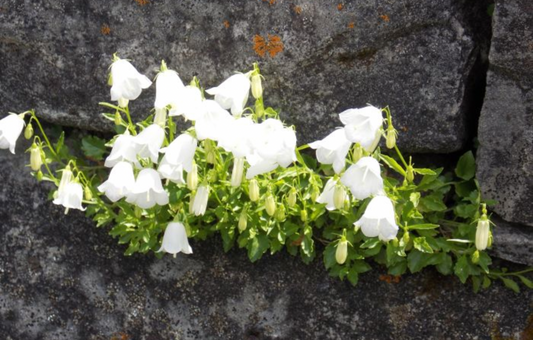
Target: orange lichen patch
[[273, 45], [121, 336], [389, 278], [297, 9], [340, 7], [351, 24], [105, 29], [226, 24], [270, 2], [385, 17], [142, 2]]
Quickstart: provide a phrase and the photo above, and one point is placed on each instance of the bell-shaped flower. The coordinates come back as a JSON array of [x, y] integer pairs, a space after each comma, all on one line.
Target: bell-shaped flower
[[147, 190], [236, 174], [363, 126], [333, 149], [70, 196], [149, 142], [200, 200], [175, 239], [178, 157], [327, 195], [211, 121], [236, 137], [189, 103], [232, 93], [124, 149], [167, 88], [10, 130], [119, 183], [127, 82], [378, 219], [482, 233], [364, 178]]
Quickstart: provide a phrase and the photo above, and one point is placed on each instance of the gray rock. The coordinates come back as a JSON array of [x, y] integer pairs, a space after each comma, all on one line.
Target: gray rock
[[62, 278], [417, 57], [505, 161], [512, 242]]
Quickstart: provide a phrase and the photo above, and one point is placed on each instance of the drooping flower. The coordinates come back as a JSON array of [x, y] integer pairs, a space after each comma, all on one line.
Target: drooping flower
[[253, 190], [36, 159], [147, 190], [363, 126], [121, 180], [363, 178], [327, 195], [378, 219], [211, 121], [175, 239], [232, 93], [236, 174], [167, 88], [178, 157], [200, 200], [482, 233], [189, 103], [192, 177], [124, 149], [70, 196], [10, 130], [127, 82], [333, 149], [236, 137], [149, 142], [341, 253]]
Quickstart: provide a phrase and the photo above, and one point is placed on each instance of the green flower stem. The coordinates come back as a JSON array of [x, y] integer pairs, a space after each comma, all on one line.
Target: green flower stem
[[512, 273], [34, 118], [170, 129], [400, 155]]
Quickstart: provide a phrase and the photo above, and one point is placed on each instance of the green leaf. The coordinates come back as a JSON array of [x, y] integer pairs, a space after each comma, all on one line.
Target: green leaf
[[486, 282], [60, 142], [465, 210], [446, 264], [398, 269], [421, 244], [424, 171], [527, 282], [423, 226], [462, 268], [353, 276], [392, 164], [432, 203], [360, 266], [329, 256], [484, 261], [417, 260], [509, 283], [463, 189], [370, 243], [466, 167], [414, 198], [476, 283], [93, 147], [257, 247]]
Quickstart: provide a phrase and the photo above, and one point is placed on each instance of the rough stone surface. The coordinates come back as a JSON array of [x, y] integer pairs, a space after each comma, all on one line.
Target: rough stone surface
[[505, 156], [61, 278], [420, 58], [512, 242]]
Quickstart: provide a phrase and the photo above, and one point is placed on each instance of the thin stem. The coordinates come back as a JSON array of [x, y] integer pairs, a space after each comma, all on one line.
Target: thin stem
[[44, 135], [400, 155], [513, 273]]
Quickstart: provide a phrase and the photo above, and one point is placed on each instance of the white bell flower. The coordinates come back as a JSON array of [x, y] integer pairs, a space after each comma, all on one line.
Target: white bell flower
[[364, 178], [147, 190], [178, 157], [127, 82], [378, 219], [236, 137], [149, 142], [124, 149], [168, 85], [119, 183], [175, 239], [482, 233], [200, 200], [10, 130], [232, 93], [70, 196], [327, 195], [333, 149], [363, 126], [211, 121], [189, 103]]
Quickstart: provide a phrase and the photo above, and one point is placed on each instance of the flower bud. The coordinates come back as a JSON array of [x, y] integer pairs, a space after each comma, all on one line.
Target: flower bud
[[482, 233], [28, 132], [314, 193], [395, 242], [475, 257], [210, 158], [118, 118], [410, 174], [391, 137], [138, 211], [259, 108], [39, 175], [303, 215], [35, 158], [339, 196], [257, 88], [280, 213], [123, 102], [270, 205], [160, 117], [192, 178], [236, 174], [243, 221], [212, 176], [87, 193], [191, 203], [291, 200], [253, 190], [342, 251], [357, 153]]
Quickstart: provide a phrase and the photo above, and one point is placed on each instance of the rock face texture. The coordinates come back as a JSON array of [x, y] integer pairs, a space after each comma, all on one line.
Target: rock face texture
[[505, 156], [61, 278], [319, 58]]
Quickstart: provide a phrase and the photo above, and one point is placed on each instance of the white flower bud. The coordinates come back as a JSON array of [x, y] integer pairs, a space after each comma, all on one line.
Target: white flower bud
[[270, 205], [236, 174], [391, 137], [482, 233], [243, 221], [257, 88], [160, 117], [291, 200], [342, 251], [200, 200], [253, 190], [35, 158], [192, 178], [339, 196], [118, 118], [28, 132]]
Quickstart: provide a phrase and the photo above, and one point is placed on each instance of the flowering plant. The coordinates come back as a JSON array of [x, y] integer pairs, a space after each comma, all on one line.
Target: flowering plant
[[242, 176]]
